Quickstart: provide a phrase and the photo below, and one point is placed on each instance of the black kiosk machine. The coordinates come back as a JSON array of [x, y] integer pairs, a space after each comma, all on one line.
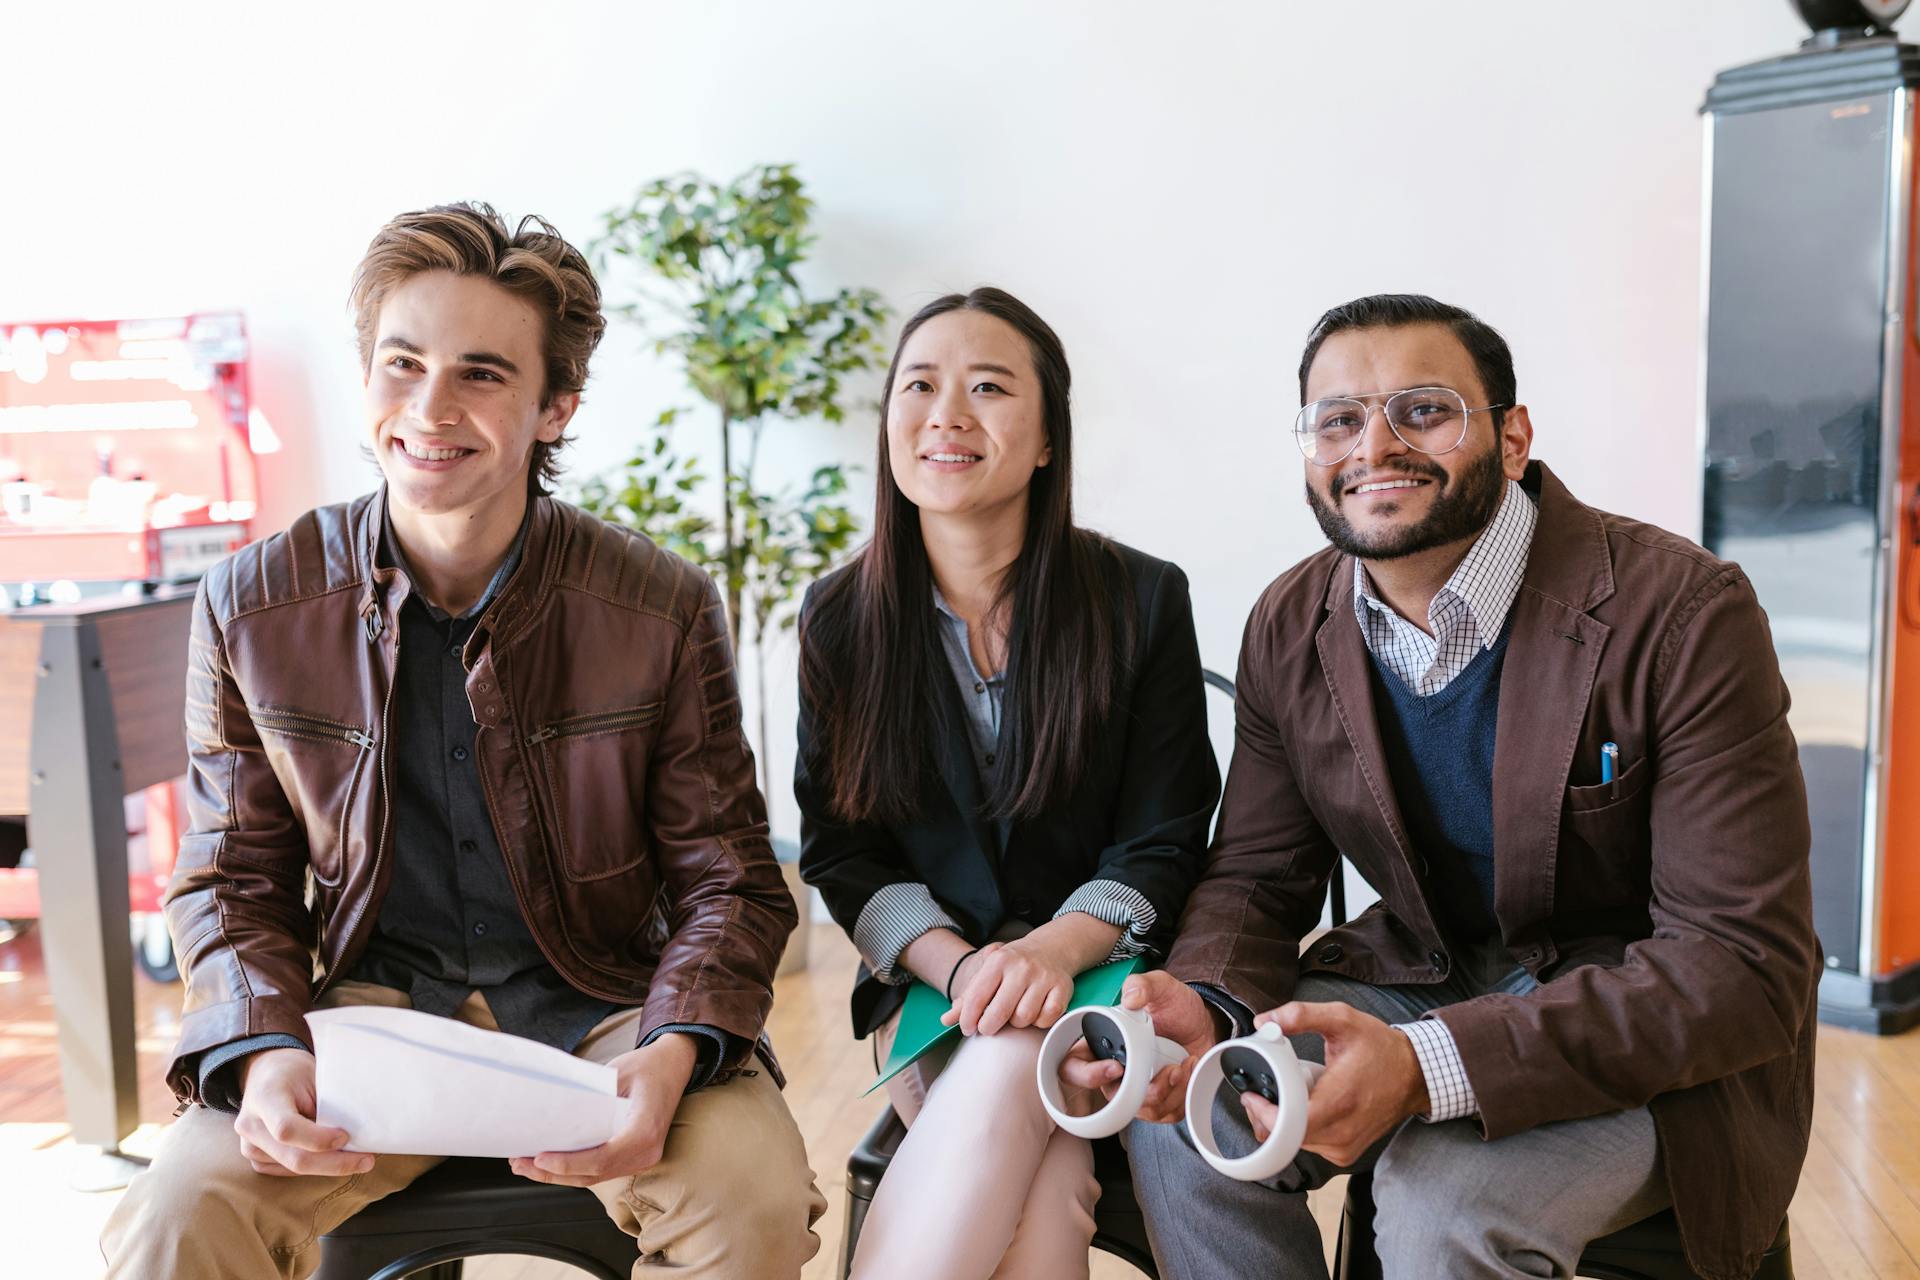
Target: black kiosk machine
[[1811, 436]]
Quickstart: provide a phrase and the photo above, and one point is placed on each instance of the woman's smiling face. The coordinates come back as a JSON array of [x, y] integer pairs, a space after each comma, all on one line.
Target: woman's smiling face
[[965, 421]]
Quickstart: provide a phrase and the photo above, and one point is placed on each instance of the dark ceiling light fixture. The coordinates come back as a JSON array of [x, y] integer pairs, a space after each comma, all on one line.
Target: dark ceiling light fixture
[[1836, 20]]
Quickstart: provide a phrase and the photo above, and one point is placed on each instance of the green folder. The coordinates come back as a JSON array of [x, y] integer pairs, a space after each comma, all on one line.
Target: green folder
[[921, 1028]]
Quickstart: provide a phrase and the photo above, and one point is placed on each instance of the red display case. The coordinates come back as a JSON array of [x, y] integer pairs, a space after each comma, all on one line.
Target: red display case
[[126, 461], [125, 448]]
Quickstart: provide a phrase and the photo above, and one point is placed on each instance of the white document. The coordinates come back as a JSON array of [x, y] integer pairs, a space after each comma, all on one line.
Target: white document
[[402, 1082]]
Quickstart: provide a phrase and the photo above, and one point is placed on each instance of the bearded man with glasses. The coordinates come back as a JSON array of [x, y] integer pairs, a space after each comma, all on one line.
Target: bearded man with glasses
[[1555, 741]]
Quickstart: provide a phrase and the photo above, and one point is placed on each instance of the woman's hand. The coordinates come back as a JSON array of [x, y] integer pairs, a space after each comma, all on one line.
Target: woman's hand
[[1015, 984]]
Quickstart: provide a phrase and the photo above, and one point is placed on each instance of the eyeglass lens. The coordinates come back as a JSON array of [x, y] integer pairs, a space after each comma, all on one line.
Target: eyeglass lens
[[1427, 419]]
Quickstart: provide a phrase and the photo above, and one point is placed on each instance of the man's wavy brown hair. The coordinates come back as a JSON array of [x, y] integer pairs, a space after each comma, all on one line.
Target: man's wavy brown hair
[[531, 261]]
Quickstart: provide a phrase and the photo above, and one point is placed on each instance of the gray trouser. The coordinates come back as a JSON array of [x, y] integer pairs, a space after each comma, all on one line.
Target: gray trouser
[[1449, 1203]]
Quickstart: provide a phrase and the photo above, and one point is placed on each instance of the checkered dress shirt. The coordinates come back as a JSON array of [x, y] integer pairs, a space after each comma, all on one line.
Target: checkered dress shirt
[[1465, 617], [1466, 614]]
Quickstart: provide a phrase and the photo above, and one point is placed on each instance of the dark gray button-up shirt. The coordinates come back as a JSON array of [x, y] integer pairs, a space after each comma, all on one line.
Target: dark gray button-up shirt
[[450, 923]]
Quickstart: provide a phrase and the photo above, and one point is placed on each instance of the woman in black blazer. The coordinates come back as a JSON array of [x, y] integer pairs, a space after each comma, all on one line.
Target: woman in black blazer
[[1004, 778]]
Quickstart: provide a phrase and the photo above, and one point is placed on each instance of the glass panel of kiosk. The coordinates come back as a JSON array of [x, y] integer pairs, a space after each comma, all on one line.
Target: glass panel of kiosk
[[1795, 311]]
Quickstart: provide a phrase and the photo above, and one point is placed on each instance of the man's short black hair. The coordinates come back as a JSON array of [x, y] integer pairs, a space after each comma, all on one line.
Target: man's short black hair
[[1491, 358]]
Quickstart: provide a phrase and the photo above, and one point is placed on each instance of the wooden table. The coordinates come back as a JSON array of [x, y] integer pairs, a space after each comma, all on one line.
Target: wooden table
[[102, 687]]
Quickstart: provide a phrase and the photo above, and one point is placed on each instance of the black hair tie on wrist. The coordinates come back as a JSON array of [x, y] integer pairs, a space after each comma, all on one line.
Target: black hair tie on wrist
[[956, 971]]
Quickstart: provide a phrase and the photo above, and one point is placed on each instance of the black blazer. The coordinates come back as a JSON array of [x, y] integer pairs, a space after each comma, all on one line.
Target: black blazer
[[1139, 816]]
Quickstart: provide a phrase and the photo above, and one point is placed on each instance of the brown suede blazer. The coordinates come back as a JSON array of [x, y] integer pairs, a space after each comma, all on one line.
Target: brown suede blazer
[[619, 783], [1671, 928]]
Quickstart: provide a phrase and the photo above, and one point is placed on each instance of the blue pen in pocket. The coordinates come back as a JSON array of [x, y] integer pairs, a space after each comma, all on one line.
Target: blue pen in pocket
[[1610, 767]]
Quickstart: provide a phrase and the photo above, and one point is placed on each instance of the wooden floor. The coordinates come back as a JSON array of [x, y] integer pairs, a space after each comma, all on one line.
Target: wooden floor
[[1857, 1214]]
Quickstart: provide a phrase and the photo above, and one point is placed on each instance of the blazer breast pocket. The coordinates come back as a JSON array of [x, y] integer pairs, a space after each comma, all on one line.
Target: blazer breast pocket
[[1606, 842]]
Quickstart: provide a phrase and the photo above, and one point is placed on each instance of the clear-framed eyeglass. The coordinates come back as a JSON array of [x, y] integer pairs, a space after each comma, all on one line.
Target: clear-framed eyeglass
[[1426, 420]]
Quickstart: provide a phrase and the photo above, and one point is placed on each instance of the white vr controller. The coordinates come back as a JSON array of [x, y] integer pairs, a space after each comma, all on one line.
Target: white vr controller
[[1113, 1034], [1262, 1063]]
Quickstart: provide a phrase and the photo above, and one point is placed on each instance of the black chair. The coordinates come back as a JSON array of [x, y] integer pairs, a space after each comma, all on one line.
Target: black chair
[[467, 1208], [1647, 1250], [1119, 1226]]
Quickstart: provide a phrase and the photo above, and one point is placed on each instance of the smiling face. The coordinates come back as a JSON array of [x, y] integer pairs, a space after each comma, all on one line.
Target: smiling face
[[1385, 500], [453, 396], [965, 421]]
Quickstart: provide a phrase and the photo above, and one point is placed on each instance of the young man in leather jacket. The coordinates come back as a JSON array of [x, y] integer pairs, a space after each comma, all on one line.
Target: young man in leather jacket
[[461, 747]]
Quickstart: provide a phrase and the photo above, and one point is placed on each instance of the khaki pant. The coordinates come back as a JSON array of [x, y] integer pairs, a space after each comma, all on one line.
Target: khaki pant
[[732, 1196]]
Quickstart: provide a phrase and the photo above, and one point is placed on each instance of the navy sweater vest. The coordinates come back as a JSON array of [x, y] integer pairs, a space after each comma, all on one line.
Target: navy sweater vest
[[1440, 756]]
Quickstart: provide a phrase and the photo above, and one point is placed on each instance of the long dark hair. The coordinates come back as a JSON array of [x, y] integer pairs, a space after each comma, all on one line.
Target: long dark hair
[[871, 660]]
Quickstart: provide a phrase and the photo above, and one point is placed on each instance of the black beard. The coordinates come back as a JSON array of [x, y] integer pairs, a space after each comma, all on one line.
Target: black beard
[[1460, 509]]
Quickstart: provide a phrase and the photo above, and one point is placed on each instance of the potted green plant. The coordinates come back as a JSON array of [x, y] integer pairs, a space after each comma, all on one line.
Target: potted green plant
[[712, 272]]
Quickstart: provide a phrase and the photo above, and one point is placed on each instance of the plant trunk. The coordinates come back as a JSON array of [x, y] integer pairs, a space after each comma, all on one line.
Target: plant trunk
[[731, 574]]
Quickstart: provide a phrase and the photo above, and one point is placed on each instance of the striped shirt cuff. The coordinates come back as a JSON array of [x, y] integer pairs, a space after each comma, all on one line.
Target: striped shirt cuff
[[1449, 1092], [890, 922], [1119, 904]]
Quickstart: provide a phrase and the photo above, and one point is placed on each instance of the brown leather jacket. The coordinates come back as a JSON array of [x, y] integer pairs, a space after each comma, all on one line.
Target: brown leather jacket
[[1669, 922], [618, 780]]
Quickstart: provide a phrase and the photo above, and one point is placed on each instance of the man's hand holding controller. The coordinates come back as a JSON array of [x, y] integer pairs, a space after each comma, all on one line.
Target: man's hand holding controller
[[1371, 1084]]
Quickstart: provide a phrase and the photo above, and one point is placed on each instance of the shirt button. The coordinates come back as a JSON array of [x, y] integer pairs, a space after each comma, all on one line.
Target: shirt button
[[978, 687], [480, 929], [468, 846], [453, 650], [459, 753]]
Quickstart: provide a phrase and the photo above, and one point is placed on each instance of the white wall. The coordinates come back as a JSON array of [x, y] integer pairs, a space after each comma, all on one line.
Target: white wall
[[1179, 188]]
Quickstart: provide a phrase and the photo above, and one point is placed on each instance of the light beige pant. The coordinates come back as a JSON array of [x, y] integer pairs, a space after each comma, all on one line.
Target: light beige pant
[[733, 1195], [984, 1184]]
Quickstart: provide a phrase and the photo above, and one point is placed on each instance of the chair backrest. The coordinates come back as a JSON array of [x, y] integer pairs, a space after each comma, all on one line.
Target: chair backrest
[[1223, 686]]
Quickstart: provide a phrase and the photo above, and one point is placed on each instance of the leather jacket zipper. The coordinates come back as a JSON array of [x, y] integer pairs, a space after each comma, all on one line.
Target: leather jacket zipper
[[373, 630], [293, 722], [596, 722]]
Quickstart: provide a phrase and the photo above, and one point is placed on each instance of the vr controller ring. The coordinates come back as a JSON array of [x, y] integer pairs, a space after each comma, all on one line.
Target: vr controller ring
[[1114, 1034], [1262, 1063]]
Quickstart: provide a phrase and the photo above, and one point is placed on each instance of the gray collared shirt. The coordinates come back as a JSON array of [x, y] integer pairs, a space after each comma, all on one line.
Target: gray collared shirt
[[981, 695]]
